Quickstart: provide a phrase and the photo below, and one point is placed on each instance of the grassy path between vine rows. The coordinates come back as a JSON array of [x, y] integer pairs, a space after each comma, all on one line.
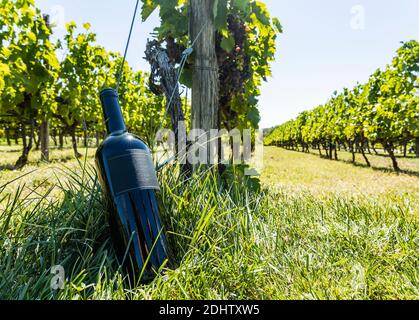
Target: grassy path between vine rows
[[320, 229]]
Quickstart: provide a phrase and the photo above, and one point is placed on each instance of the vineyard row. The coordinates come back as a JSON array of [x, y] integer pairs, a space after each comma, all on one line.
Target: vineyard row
[[384, 111]]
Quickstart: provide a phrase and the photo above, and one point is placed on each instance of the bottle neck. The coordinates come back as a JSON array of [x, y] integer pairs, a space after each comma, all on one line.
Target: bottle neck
[[112, 112]]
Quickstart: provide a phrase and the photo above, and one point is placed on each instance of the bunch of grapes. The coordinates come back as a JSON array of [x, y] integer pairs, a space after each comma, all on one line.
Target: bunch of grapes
[[234, 67], [174, 50]]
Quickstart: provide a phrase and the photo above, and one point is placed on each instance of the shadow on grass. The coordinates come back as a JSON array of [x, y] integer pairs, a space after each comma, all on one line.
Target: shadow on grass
[[11, 167], [61, 160], [12, 151], [7, 167], [382, 169], [398, 156]]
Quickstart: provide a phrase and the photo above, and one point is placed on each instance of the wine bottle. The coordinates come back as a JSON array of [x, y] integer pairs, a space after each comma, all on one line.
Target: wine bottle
[[129, 184]]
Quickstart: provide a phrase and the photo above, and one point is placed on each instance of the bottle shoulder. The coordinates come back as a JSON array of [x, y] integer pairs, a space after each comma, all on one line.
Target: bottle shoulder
[[115, 144]]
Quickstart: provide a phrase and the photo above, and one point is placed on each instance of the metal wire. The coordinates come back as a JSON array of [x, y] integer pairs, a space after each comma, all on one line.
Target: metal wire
[[121, 70]]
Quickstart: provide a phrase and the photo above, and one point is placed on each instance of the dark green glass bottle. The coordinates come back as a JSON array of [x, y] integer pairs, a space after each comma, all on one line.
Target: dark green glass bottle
[[129, 183]]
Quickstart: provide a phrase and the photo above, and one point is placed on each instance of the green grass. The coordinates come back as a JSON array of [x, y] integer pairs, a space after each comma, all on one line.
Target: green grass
[[304, 236], [299, 172]]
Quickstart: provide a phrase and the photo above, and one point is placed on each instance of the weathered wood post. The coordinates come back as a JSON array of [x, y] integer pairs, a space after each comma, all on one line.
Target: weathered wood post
[[44, 128], [44, 137], [205, 88]]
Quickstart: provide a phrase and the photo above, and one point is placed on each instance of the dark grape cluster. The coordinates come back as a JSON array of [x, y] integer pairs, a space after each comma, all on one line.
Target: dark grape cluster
[[174, 50], [234, 68]]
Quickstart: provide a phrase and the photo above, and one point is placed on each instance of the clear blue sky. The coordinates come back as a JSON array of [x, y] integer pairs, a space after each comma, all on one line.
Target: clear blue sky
[[326, 45]]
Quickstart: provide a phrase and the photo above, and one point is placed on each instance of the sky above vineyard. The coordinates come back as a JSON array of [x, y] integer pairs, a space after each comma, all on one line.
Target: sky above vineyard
[[326, 45]]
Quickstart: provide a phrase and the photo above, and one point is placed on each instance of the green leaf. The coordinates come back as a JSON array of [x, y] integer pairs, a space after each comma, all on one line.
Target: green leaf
[[242, 5], [31, 36], [277, 25], [186, 78], [148, 8], [221, 14], [254, 117], [228, 44]]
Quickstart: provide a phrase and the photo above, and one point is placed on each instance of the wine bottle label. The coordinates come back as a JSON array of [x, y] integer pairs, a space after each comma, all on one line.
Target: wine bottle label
[[132, 171]]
